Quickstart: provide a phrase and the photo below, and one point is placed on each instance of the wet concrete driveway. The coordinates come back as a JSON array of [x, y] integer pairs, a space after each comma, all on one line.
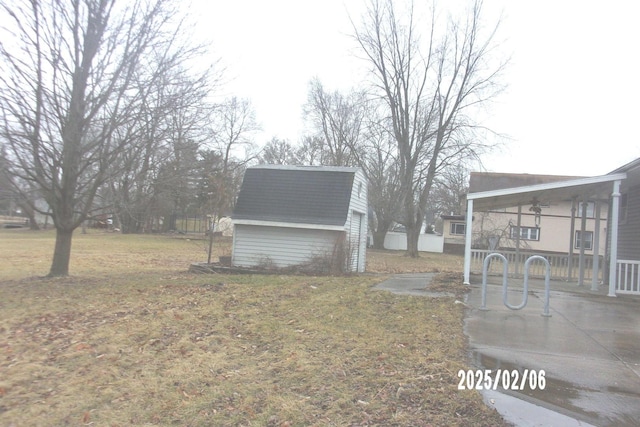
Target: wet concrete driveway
[[589, 349]]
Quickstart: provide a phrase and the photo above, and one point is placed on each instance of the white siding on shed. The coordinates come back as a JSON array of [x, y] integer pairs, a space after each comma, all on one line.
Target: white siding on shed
[[355, 234], [356, 224], [279, 246]]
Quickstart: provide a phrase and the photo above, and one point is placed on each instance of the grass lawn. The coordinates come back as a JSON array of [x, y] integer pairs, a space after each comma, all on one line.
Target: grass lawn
[[132, 338]]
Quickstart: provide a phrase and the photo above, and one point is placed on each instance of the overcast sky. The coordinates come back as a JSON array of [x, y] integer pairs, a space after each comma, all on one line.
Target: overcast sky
[[571, 106]]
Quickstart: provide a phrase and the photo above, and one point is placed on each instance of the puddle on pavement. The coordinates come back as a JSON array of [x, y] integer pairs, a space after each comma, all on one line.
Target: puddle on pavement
[[564, 397]]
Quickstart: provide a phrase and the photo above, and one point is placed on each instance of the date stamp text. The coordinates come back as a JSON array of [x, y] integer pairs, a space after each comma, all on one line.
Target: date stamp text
[[488, 379]]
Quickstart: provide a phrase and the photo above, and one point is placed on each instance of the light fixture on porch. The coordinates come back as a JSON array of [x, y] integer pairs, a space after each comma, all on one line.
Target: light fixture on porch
[[537, 210]]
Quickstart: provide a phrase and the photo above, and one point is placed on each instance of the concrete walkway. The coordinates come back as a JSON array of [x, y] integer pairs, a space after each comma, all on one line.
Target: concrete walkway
[[408, 284], [589, 349]]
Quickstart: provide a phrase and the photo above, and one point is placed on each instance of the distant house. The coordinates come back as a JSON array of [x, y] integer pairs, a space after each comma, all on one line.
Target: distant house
[[453, 232], [592, 202], [294, 215], [543, 226]]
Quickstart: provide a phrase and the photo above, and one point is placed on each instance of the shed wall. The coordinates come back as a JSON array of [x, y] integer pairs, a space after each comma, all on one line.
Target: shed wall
[[357, 222], [255, 245]]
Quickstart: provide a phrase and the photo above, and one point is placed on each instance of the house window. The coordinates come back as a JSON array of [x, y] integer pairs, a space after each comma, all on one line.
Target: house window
[[588, 239], [623, 208], [526, 233], [591, 208], [458, 228]]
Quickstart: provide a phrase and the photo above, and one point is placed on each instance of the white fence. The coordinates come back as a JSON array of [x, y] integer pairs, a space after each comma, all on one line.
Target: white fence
[[628, 277], [426, 242], [559, 264]]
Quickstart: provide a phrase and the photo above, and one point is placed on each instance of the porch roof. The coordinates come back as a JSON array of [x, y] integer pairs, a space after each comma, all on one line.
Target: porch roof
[[597, 187]]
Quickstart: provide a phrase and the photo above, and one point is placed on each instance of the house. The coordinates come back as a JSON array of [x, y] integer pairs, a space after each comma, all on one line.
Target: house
[[625, 256], [543, 225], [597, 196], [453, 232], [300, 215]]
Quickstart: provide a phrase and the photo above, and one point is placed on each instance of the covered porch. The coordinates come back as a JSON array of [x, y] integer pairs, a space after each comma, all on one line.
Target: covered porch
[[579, 192]]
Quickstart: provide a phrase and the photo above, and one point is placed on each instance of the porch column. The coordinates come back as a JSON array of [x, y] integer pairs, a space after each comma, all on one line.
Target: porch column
[[613, 256], [596, 250], [572, 234], [467, 242], [583, 228]]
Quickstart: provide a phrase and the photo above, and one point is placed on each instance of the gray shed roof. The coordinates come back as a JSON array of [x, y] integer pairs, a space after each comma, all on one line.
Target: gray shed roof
[[295, 194]]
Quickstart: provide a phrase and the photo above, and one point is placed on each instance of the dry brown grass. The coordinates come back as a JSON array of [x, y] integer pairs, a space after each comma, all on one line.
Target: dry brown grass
[[384, 261], [131, 338]]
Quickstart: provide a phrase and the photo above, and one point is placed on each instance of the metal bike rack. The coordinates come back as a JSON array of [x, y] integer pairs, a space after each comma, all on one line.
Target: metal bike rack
[[505, 286], [485, 267]]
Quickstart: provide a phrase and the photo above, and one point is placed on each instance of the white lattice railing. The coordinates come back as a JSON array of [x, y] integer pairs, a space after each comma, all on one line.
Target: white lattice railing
[[628, 277], [559, 264]]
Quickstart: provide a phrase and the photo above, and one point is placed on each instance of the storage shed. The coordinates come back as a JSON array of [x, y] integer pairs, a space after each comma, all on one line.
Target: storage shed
[[297, 215]]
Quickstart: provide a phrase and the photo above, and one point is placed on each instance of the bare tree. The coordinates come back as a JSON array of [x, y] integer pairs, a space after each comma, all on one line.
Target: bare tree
[[430, 90], [376, 154], [352, 130], [67, 94], [278, 152], [158, 171], [234, 126], [449, 190], [312, 151], [337, 119]]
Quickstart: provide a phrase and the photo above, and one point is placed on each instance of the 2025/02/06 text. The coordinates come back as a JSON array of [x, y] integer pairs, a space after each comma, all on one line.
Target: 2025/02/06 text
[[487, 379]]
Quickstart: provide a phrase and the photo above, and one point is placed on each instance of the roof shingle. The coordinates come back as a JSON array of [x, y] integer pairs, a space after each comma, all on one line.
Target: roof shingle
[[295, 194]]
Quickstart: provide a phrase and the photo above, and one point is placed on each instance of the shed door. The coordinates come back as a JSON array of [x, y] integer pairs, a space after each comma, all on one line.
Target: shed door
[[354, 240]]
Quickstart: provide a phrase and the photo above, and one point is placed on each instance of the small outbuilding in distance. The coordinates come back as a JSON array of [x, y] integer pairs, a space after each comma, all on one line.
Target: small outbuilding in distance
[[307, 216]]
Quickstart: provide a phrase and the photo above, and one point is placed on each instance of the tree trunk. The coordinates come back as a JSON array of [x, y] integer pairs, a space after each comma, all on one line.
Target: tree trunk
[[413, 234], [31, 214], [411, 223], [379, 225], [378, 239], [61, 253]]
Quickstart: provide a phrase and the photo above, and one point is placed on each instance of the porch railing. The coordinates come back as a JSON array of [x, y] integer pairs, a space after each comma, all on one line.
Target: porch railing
[[628, 277], [559, 264]]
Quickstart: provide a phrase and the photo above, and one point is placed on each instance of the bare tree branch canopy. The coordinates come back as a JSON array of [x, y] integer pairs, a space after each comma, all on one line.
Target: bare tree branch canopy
[[233, 128], [337, 120], [278, 152], [71, 74], [430, 89], [352, 130], [377, 156]]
